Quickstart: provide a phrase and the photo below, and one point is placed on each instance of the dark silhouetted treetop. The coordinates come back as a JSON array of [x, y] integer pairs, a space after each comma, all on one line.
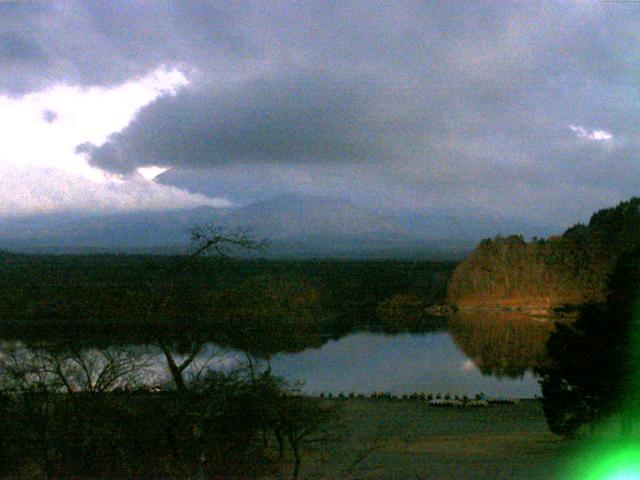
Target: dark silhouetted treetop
[[592, 369]]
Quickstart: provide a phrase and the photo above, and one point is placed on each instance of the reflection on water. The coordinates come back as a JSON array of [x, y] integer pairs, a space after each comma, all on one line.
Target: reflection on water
[[400, 364], [489, 353], [503, 344]]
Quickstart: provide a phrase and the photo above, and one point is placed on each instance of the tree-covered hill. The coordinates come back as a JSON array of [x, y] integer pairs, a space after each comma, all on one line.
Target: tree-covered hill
[[571, 269], [114, 294]]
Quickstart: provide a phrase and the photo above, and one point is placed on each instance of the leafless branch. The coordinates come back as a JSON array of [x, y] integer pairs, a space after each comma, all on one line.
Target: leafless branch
[[71, 370], [213, 239]]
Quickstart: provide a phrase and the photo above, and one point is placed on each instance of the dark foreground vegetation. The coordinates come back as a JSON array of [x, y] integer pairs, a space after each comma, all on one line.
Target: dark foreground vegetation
[[235, 427], [592, 370], [67, 414]]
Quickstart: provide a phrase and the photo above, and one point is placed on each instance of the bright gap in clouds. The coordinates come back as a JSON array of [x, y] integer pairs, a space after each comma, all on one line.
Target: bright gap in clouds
[[598, 135], [149, 173], [42, 129]]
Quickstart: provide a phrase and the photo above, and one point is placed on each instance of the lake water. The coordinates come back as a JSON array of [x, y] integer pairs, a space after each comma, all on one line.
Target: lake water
[[488, 353], [399, 364]]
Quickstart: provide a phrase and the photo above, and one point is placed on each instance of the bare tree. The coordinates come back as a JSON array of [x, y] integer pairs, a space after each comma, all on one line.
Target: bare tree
[[189, 370], [205, 240], [71, 369], [45, 384], [211, 239], [99, 370]]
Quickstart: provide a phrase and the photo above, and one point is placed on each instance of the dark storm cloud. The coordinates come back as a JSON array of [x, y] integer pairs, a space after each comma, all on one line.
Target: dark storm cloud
[[305, 118], [14, 46], [416, 103], [104, 43]]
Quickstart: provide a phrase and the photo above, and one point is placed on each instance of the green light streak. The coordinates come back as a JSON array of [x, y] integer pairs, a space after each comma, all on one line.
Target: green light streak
[[615, 453], [607, 462]]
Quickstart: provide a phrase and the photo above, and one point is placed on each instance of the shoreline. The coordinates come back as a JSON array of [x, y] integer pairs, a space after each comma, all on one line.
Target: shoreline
[[551, 313]]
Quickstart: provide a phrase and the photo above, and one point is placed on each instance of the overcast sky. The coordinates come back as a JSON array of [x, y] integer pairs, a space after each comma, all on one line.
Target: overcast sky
[[523, 109]]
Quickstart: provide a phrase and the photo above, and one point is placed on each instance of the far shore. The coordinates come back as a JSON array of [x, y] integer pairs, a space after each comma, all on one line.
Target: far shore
[[551, 313]]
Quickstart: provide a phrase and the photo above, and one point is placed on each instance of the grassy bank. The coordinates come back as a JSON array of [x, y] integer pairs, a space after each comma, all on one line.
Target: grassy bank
[[399, 439]]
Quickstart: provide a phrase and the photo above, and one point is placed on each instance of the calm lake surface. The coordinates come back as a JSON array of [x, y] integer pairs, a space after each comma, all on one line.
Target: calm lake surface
[[399, 364], [471, 353], [490, 353]]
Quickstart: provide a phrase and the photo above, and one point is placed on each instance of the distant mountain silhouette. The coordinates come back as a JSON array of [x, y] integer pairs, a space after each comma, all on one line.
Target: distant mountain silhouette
[[111, 232], [298, 226], [307, 216]]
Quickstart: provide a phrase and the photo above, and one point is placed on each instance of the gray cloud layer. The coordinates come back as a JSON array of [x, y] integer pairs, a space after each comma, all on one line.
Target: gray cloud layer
[[307, 118], [410, 104]]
